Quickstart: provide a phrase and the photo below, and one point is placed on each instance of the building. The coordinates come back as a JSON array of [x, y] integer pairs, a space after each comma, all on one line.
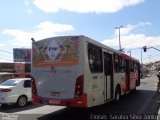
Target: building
[[11, 70]]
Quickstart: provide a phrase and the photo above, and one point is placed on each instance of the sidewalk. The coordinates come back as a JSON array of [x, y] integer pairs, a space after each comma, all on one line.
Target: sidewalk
[[153, 107], [158, 117]]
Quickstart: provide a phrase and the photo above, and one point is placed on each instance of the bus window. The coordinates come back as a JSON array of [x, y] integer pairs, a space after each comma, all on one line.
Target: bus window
[[116, 63], [119, 63], [133, 67], [122, 65], [95, 58]]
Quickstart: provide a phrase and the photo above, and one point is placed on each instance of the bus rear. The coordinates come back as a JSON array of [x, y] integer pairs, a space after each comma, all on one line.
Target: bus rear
[[57, 71]]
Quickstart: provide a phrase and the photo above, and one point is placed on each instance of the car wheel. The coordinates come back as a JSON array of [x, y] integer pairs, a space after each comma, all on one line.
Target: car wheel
[[22, 101]]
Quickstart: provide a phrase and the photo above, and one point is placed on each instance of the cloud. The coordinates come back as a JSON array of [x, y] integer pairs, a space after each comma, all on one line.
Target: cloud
[[26, 2], [43, 30], [1, 45], [132, 28], [84, 6], [131, 39], [29, 11]]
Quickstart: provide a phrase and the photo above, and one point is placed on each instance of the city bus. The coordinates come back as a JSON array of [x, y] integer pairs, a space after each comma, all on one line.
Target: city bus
[[77, 71]]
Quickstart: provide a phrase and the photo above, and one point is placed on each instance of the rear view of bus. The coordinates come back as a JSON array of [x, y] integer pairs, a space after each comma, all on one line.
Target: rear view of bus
[[57, 71]]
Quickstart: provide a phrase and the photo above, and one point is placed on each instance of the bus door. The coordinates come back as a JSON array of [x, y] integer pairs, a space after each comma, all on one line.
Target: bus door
[[127, 75], [108, 75]]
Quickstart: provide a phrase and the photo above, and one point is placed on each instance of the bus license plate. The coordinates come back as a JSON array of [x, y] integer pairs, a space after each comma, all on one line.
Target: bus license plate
[[55, 102]]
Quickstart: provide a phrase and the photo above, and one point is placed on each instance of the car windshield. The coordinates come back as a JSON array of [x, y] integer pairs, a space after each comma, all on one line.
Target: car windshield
[[9, 83]]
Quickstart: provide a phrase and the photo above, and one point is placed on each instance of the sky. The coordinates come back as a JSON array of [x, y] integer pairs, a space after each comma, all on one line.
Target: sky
[[97, 19]]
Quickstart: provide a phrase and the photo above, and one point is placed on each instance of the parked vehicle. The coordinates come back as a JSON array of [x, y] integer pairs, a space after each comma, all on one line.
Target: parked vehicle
[[15, 91]]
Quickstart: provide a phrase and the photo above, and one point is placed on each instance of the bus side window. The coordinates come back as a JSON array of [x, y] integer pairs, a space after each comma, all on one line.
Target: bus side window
[[132, 67], [116, 63], [95, 58], [122, 65]]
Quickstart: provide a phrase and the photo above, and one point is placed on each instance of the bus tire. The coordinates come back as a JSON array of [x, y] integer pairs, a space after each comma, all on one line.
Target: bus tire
[[117, 93]]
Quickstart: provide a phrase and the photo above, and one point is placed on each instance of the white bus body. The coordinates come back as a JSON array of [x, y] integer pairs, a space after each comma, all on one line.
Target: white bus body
[[77, 71]]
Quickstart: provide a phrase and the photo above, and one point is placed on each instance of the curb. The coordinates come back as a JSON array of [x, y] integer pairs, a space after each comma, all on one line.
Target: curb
[[158, 115]]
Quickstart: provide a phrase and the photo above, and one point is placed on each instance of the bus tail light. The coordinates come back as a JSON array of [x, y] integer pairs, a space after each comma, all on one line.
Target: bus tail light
[[79, 86], [34, 90], [35, 98], [5, 90]]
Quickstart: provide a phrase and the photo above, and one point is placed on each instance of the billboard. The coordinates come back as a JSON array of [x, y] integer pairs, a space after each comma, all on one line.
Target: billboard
[[21, 55]]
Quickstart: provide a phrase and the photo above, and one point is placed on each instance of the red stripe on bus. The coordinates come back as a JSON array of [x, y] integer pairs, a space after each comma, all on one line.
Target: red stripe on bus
[[73, 102]]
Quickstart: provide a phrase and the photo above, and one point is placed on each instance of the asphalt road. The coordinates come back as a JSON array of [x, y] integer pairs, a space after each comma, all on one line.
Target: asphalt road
[[138, 105]]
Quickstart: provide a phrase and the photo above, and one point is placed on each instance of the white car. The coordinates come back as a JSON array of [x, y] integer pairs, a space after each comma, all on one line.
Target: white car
[[15, 91]]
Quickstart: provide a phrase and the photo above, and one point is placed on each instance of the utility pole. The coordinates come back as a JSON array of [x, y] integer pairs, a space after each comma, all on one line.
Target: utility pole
[[120, 49], [141, 55]]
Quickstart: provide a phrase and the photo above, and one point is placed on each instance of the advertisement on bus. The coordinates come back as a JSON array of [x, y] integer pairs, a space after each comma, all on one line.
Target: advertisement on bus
[[58, 52]]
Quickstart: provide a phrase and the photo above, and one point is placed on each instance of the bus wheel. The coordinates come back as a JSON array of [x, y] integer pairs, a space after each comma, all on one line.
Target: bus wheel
[[117, 94]]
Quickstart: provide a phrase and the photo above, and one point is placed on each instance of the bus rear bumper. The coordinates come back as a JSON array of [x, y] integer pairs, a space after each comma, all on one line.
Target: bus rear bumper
[[72, 102]]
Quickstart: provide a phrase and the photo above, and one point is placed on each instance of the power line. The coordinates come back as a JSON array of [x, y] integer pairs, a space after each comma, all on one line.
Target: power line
[[6, 51], [152, 56], [6, 59], [6, 55]]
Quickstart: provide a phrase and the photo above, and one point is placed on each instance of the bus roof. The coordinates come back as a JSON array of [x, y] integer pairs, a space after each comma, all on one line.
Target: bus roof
[[101, 45], [96, 43], [84, 38], [129, 57]]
